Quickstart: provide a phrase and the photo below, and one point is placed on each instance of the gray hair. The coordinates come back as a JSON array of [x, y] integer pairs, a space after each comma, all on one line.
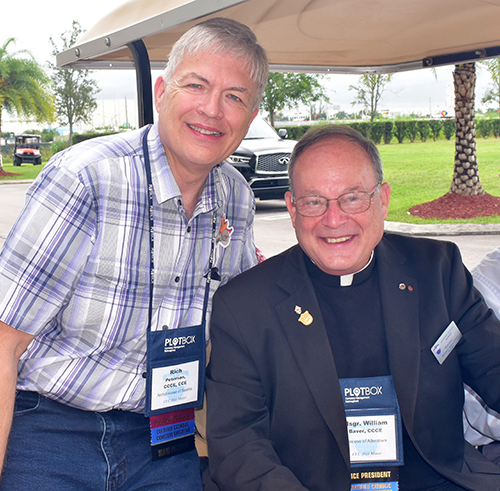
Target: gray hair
[[335, 132], [224, 36]]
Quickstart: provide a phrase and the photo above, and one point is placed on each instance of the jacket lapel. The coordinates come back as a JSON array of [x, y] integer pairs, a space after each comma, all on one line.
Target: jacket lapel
[[311, 347], [399, 297]]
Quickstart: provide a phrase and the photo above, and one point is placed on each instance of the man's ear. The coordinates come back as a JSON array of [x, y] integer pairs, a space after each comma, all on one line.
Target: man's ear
[[385, 196], [160, 87], [292, 209]]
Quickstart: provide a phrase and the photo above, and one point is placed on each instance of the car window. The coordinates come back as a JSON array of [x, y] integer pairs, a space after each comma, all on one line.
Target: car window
[[260, 129]]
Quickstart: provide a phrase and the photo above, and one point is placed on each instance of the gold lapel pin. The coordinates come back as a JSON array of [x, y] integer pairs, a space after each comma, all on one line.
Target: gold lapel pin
[[306, 318]]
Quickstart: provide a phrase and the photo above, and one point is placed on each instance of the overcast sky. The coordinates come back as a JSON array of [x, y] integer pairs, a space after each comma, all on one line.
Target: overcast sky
[[32, 23]]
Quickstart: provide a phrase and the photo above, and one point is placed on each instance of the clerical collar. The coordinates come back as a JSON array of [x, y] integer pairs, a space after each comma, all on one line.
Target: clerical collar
[[342, 281]]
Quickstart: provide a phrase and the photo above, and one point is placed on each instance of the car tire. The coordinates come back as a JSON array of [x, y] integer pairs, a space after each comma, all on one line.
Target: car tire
[[17, 161], [38, 161]]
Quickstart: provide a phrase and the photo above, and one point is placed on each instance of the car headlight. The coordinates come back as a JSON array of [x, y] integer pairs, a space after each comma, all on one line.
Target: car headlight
[[235, 159]]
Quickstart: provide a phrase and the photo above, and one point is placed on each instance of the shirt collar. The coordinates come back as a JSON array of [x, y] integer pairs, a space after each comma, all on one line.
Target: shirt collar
[[164, 185], [340, 281]]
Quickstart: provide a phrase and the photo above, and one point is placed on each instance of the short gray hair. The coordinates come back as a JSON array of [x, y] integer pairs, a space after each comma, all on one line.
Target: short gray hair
[[225, 36], [335, 132]]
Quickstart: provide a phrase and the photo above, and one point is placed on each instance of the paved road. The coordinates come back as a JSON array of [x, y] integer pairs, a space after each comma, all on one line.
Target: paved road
[[274, 232]]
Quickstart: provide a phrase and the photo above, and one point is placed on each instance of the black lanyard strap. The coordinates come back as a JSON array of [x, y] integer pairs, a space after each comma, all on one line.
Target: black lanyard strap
[[149, 181]]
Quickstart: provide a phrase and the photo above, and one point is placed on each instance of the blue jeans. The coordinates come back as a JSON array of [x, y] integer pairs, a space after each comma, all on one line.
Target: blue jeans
[[53, 447]]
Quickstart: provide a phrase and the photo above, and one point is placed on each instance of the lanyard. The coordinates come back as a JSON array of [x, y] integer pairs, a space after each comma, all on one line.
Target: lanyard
[[149, 182]]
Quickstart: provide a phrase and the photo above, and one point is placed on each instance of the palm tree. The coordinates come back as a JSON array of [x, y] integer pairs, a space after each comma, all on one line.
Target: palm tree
[[466, 175], [24, 86]]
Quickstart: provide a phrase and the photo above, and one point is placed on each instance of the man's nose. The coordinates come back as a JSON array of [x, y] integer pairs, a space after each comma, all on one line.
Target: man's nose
[[334, 215], [211, 105]]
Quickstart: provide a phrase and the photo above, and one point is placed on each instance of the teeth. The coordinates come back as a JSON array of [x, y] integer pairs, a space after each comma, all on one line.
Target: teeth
[[205, 132], [336, 241]]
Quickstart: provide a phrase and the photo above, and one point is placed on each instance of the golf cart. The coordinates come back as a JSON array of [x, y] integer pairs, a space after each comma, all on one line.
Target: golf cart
[[27, 149], [322, 36]]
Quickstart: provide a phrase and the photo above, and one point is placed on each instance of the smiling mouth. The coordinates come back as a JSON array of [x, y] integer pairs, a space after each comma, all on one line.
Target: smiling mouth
[[205, 132], [340, 239]]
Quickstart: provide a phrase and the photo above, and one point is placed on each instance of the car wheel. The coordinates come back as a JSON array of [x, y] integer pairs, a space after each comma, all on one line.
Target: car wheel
[[38, 161], [17, 161]]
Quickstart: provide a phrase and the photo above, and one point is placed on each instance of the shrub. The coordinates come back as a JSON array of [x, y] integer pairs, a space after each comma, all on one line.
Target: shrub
[[354, 126], [411, 130], [435, 126], [388, 131], [401, 128], [495, 127], [423, 129], [46, 152], [377, 132], [77, 138], [58, 146], [448, 128], [484, 127], [365, 128]]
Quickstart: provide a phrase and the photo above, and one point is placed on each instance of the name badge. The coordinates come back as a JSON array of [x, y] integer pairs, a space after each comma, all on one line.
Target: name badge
[[446, 342], [175, 377], [374, 424]]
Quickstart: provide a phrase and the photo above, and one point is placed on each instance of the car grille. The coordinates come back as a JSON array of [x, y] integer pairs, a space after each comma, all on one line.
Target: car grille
[[270, 163]]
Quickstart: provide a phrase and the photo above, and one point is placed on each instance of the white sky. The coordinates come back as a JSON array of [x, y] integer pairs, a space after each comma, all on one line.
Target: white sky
[[32, 23]]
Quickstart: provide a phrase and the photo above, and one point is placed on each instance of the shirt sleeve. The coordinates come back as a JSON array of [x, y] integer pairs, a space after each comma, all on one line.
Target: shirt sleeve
[[487, 280], [481, 424], [46, 250]]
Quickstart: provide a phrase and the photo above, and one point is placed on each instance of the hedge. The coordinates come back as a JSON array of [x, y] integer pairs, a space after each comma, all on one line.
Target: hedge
[[402, 130], [409, 130]]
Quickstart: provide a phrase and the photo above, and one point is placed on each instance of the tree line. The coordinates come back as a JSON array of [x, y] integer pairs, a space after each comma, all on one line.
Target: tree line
[[409, 130]]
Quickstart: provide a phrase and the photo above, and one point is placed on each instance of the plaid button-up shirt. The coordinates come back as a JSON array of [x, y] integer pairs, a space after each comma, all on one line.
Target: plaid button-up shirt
[[74, 270]]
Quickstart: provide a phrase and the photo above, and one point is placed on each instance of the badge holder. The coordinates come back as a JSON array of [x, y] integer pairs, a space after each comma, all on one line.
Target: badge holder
[[176, 360], [374, 429]]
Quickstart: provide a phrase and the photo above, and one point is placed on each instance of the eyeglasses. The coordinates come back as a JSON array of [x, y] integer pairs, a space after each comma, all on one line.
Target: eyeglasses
[[352, 203]]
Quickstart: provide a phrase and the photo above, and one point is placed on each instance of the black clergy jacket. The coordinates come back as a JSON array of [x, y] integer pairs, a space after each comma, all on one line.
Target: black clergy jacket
[[276, 418]]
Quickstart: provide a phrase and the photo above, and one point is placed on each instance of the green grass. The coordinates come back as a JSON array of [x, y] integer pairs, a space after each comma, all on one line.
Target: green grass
[[417, 172], [24, 171], [421, 172]]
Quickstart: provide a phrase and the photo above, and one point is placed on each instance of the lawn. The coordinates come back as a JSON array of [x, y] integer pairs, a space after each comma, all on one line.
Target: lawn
[[417, 172], [421, 172], [24, 171]]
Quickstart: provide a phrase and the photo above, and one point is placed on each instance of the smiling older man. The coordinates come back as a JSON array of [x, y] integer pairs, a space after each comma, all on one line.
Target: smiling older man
[[341, 361]]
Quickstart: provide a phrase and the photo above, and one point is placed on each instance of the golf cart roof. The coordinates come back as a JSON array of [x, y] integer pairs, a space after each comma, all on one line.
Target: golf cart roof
[[335, 36], [306, 35]]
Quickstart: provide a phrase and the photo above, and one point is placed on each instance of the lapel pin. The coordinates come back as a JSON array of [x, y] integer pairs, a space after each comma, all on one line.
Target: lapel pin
[[402, 286], [306, 318]]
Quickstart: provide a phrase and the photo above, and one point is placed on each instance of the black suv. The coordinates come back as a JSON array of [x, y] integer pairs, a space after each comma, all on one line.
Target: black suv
[[262, 158]]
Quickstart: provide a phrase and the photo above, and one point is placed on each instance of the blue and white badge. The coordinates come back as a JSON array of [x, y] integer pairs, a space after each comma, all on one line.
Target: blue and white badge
[[446, 342], [374, 424], [175, 369]]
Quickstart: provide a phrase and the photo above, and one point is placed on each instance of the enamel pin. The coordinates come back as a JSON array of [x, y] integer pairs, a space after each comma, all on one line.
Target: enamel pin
[[305, 317]]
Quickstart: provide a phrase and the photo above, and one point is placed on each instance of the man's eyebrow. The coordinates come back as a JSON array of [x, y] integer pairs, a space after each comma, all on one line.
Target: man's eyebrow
[[194, 75], [203, 79]]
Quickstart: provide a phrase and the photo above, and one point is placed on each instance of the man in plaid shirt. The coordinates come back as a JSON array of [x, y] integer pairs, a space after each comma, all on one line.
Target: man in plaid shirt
[[75, 272]]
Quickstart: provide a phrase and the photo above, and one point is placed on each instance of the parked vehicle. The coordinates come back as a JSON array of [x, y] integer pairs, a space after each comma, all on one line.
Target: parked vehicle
[[263, 158], [27, 149]]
